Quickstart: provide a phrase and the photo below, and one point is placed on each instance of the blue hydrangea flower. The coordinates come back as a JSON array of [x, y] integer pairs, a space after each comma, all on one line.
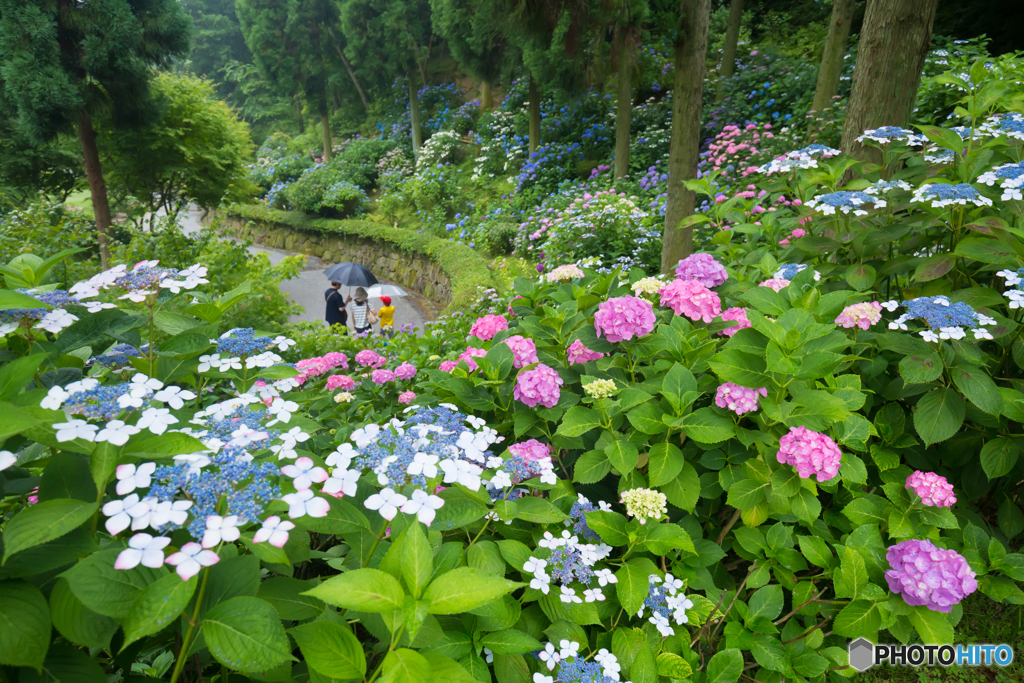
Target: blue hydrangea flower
[[943, 318], [888, 134], [844, 201], [939, 195], [243, 341], [1010, 178], [1010, 125], [814, 150], [788, 271]]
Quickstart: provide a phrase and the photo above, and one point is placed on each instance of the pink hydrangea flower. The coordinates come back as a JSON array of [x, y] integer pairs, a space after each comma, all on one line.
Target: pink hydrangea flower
[[775, 283], [739, 399], [382, 376], [368, 358], [469, 354], [927, 575], [737, 314], [538, 386], [702, 268], [579, 353], [510, 313], [406, 397], [932, 488], [311, 367], [624, 317], [692, 299], [335, 359], [405, 371], [486, 327], [343, 382], [524, 351], [811, 453], [862, 315], [531, 450], [447, 365]]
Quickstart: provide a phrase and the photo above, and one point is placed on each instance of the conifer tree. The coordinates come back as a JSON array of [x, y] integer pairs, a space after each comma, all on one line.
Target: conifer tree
[[475, 33]]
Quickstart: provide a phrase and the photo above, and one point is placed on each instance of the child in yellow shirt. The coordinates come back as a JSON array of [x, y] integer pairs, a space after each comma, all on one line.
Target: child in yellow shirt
[[387, 317]]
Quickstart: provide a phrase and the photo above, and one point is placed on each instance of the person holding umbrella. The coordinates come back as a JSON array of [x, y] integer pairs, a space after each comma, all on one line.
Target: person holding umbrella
[[336, 313]]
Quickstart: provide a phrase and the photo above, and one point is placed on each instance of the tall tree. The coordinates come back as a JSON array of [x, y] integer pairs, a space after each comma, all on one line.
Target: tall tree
[[290, 44], [217, 41], [732, 39], [475, 33], [832, 57], [691, 46], [628, 18], [64, 62], [893, 44]]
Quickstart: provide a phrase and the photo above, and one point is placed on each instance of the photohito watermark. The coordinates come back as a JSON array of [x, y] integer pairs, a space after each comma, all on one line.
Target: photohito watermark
[[864, 655]]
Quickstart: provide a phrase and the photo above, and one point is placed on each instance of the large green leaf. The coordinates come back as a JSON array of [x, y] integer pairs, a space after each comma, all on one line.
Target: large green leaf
[[726, 666], [665, 462], [18, 373], [999, 456], [158, 605], [464, 589], [331, 649], [286, 595], [939, 415], [364, 590], [418, 559], [634, 583], [979, 388], [246, 635], [76, 622], [933, 627], [343, 518], [707, 426], [510, 642], [579, 420], [405, 666], [105, 590], [859, 619], [44, 522], [24, 625]]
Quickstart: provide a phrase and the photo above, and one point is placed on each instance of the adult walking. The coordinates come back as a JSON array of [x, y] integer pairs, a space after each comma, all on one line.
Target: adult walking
[[363, 316], [336, 313]]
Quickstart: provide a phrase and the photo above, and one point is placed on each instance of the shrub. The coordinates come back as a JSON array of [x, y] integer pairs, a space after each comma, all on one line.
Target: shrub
[[442, 148], [344, 198]]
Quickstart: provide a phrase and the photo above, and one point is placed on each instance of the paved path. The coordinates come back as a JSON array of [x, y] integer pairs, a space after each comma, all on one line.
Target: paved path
[[307, 289]]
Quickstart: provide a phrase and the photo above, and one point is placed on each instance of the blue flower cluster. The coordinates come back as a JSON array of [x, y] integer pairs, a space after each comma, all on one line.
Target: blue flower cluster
[[118, 355], [582, 671], [243, 341], [99, 402], [578, 514], [58, 298], [938, 312], [566, 565]]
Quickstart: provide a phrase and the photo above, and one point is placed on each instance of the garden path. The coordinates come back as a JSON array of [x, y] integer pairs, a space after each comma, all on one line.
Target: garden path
[[307, 289]]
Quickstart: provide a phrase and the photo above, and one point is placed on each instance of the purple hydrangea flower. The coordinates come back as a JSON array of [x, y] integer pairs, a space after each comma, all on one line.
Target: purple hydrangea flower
[[927, 575]]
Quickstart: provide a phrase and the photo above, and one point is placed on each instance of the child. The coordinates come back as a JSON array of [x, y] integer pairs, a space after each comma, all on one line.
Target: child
[[387, 317]]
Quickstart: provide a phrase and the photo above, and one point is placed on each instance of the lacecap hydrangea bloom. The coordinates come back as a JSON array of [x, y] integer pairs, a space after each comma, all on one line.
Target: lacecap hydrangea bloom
[[579, 353], [788, 271], [944, 319], [702, 268], [538, 386], [844, 201], [862, 315], [783, 165], [888, 134], [623, 318], [927, 575], [739, 399], [489, 325], [1010, 178], [524, 351], [814, 151], [775, 283], [691, 299], [666, 603], [811, 453], [1010, 124], [939, 195], [738, 315], [644, 504], [887, 186], [932, 488]]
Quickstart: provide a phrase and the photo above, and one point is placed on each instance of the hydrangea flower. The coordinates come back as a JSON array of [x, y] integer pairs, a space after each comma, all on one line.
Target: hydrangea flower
[[702, 268], [844, 201], [887, 186], [939, 195], [644, 504], [648, 285], [579, 353], [274, 531], [691, 299], [382, 376], [524, 351], [932, 488], [1010, 178], [888, 134], [368, 358], [927, 575], [467, 357], [739, 399], [487, 326], [538, 386], [340, 382], [406, 397], [784, 165], [405, 371], [143, 549], [190, 560], [788, 271], [447, 365], [944, 319], [600, 388], [775, 283], [1010, 124], [565, 273], [569, 562], [623, 318], [862, 315], [939, 155], [814, 150], [666, 604], [811, 453], [738, 315], [575, 669]]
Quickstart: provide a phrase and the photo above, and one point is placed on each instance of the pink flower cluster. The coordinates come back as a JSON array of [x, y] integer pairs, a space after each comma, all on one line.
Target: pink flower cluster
[[531, 450], [692, 299], [624, 317], [524, 351], [579, 353], [382, 376], [343, 382], [447, 365], [310, 367], [702, 268], [932, 488], [538, 386], [734, 145], [368, 358], [796, 234], [739, 399], [810, 453], [335, 359], [405, 371], [406, 397], [775, 283], [862, 315], [734, 314], [469, 354], [927, 575], [486, 327]]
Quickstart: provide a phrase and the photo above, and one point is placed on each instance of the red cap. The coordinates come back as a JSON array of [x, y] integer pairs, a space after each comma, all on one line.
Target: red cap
[[386, 300]]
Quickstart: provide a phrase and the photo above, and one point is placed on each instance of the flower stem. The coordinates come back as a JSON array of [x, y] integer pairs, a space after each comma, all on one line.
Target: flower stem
[[193, 620]]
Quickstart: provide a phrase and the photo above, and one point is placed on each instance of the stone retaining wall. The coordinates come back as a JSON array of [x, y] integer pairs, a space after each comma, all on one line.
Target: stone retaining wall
[[385, 259]]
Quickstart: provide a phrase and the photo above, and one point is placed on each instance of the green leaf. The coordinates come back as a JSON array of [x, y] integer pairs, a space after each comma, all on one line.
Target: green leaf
[[622, 454], [610, 526], [634, 583], [285, 595], [815, 550], [806, 506], [245, 634], [76, 622], [464, 589], [673, 666], [918, 369], [343, 518], [985, 250], [331, 649], [157, 606], [364, 590], [678, 382], [16, 420], [934, 267], [766, 300], [24, 625], [662, 539], [933, 627], [44, 522], [999, 456], [854, 573], [66, 664], [766, 602], [10, 299], [665, 462], [592, 467], [646, 418], [538, 511], [510, 642], [979, 389], [859, 619], [747, 493], [726, 666], [18, 373], [105, 590], [162, 445], [443, 668], [103, 463], [707, 426], [579, 420], [683, 491], [939, 415], [174, 323], [405, 666], [860, 276], [417, 559]]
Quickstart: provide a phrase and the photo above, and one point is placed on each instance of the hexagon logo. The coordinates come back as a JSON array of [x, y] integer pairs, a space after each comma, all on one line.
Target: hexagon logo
[[862, 654]]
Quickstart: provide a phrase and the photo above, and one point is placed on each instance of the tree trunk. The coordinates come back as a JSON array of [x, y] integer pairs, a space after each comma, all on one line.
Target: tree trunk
[[534, 115], [832, 58], [624, 110], [325, 124], [691, 46], [97, 186], [348, 68], [732, 37], [486, 96], [414, 116], [893, 44]]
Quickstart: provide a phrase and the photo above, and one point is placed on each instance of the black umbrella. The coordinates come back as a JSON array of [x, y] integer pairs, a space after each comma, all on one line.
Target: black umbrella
[[350, 275]]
